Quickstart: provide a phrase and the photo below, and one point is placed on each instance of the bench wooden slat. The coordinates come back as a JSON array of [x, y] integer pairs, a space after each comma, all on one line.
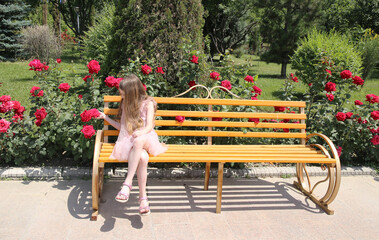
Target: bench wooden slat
[[218, 134], [230, 159], [206, 114], [295, 146], [226, 124], [235, 102]]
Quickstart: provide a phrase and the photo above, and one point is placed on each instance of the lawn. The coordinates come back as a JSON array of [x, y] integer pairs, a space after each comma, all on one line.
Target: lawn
[[271, 83], [18, 80]]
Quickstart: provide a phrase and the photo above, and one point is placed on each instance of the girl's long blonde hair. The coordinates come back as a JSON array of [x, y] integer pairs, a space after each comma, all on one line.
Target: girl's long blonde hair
[[135, 93]]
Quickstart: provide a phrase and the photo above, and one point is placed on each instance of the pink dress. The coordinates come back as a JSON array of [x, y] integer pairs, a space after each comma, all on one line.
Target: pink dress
[[125, 141]]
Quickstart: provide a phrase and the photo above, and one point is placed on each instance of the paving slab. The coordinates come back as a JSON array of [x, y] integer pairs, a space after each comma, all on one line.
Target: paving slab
[[252, 208]]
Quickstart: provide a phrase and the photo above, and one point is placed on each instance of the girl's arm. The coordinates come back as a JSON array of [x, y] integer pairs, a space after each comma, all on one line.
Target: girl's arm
[[114, 123], [149, 121]]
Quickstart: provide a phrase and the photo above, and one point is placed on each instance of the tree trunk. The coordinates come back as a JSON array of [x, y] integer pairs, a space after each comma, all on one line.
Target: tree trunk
[[283, 73], [45, 12]]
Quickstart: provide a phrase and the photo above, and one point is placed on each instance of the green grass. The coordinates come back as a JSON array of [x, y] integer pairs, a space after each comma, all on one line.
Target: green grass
[[17, 80], [271, 83]]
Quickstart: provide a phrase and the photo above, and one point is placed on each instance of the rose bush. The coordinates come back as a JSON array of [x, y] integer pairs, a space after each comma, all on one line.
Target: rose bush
[[54, 132], [330, 66]]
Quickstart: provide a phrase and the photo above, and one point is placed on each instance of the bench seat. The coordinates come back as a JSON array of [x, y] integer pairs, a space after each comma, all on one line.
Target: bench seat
[[231, 153]]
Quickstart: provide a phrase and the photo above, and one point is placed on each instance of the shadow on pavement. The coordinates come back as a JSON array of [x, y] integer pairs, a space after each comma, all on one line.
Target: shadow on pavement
[[184, 195]]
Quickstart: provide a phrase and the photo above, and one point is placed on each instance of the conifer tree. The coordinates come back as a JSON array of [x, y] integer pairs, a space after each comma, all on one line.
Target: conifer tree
[[155, 30], [12, 20]]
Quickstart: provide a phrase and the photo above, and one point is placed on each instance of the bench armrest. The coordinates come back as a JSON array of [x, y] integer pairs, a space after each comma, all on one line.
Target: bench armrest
[[328, 141]]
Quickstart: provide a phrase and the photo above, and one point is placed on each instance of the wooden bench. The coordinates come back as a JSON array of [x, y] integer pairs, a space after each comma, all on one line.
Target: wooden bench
[[203, 126]]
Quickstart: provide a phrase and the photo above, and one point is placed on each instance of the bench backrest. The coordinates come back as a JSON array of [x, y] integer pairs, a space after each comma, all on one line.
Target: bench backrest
[[271, 124]]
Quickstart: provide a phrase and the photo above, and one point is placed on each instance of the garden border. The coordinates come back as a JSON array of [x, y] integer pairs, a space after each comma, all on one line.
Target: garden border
[[65, 173]]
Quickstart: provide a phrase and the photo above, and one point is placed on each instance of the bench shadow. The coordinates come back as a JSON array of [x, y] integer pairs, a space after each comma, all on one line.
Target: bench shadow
[[184, 195]]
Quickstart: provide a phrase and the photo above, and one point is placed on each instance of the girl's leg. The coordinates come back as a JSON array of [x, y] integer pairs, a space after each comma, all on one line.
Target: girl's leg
[[133, 161], [142, 178], [142, 173]]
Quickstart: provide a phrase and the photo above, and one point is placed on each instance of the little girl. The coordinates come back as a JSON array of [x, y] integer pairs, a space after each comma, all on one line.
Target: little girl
[[137, 137]]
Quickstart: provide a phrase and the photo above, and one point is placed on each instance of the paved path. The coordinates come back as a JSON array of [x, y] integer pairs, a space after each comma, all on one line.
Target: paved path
[[256, 208]]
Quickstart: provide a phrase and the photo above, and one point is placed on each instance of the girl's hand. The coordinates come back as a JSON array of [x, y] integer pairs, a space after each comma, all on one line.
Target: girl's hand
[[137, 133], [101, 116]]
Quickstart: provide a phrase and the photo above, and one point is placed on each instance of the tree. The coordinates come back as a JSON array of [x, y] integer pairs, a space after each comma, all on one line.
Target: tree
[[283, 23], [12, 15], [228, 23], [74, 10], [155, 30], [343, 15]]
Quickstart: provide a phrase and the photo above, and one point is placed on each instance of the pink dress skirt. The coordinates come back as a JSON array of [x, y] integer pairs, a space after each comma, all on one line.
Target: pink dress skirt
[[125, 141]]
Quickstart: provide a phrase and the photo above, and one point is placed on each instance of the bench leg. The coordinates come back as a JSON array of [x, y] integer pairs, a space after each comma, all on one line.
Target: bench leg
[[95, 194], [219, 186], [334, 179], [207, 174]]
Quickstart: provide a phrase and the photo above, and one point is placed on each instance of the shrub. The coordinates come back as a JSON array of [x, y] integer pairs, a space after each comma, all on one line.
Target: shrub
[[330, 66], [41, 43], [152, 31], [368, 45], [58, 126], [97, 37]]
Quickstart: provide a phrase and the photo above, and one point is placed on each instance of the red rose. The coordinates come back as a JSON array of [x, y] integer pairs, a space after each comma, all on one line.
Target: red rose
[[40, 114], [86, 116], [4, 125], [358, 81], [80, 96], [310, 84], [16, 105], [88, 131], [249, 78], [36, 65], [33, 92], [5, 98], [345, 74], [216, 118], [191, 84], [20, 110], [59, 60], [257, 90], [357, 102], [159, 70], [375, 115], [111, 81], [339, 151], [361, 121], [94, 113], [375, 140], [215, 75], [372, 98], [64, 87], [293, 78], [226, 84], [6, 107], [280, 109], [254, 98], [349, 114], [194, 59], [341, 116], [146, 69], [328, 71], [144, 86], [180, 119], [330, 87], [86, 77], [93, 67], [256, 120], [286, 130], [16, 118], [330, 97]]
